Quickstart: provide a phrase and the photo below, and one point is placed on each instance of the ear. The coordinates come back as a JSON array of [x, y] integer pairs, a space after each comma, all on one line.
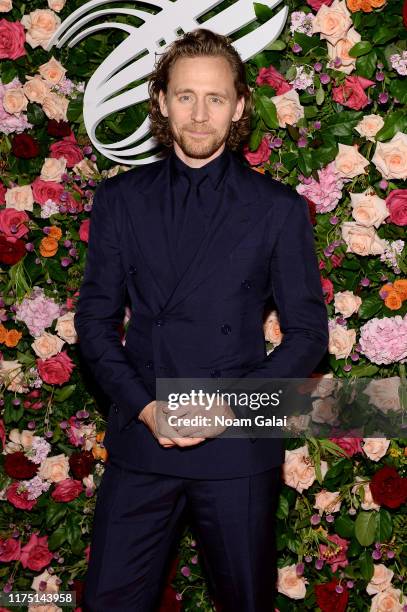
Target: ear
[[239, 109], [163, 103]]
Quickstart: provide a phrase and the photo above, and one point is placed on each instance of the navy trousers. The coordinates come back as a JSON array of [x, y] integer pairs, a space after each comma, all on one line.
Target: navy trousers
[[139, 518]]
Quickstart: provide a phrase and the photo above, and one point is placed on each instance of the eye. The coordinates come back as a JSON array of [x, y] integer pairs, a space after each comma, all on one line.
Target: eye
[[217, 100], [183, 97]]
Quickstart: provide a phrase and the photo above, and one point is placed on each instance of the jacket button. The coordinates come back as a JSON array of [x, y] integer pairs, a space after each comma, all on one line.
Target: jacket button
[[226, 329], [132, 270], [148, 365], [215, 373], [246, 284], [159, 322]]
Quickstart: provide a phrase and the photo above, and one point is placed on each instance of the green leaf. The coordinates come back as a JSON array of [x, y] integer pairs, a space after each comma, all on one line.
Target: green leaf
[[8, 70], [384, 34], [366, 565], [365, 527], [370, 306], [55, 513], [344, 526], [62, 394], [35, 114], [364, 371], [283, 507], [267, 111], [277, 45], [341, 124], [395, 122], [73, 531], [384, 527], [75, 107], [398, 89], [366, 65], [262, 11], [361, 48], [255, 137], [57, 538], [320, 95]]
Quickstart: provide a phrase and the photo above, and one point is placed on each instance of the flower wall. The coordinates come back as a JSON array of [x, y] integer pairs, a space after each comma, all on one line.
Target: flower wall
[[330, 121]]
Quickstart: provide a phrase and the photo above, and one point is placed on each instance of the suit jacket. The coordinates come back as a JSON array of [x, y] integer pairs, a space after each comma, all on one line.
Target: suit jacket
[[210, 322]]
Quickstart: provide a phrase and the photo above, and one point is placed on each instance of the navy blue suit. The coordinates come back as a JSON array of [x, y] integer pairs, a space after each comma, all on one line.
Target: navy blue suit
[[206, 322]]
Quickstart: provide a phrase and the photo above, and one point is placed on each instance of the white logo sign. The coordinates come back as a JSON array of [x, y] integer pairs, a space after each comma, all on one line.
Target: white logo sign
[[125, 64]]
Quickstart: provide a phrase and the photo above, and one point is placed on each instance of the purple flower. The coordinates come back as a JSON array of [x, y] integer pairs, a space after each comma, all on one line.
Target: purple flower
[[383, 97], [383, 184], [379, 76], [297, 48], [347, 367], [315, 519], [319, 564], [317, 125], [317, 66], [185, 571], [376, 554], [302, 142], [324, 78], [365, 282]]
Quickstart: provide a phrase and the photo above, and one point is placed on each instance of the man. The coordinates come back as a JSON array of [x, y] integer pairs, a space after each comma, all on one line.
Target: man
[[200, 242]]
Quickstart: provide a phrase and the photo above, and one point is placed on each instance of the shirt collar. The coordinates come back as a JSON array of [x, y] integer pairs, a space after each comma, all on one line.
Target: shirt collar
[[215, 169]]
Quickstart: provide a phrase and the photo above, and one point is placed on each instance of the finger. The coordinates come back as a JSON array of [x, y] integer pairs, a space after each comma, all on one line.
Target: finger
[[188, 441]]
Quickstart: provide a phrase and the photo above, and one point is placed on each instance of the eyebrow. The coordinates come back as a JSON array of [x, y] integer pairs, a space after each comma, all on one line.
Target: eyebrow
[[210, 93]]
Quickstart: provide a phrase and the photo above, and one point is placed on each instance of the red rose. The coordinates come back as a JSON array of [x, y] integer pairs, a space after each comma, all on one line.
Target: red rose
[[316, 4], [2, 433], [338, 559], [388, 488], [259, 156], [352, 92], [78, 587], [11, 250], [19, 499], [351, 446], [17, 465], [274, 78], [35, 554], [12, 39], [67, 490], [12, 222], [328, 599], [396, 202], [312, 208], [56, 370], [327, 289], [84, 230], [25, 146], [46, 190], [10, 550], [67, 148], [81, 463], [3, 190], [58, 129]]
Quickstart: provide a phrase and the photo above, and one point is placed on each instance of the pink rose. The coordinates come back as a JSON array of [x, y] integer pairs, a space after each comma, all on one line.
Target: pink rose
[[271, 76], [35, 554], [10, 550], [351, 446], [259, 156], [12, 222], [397, 204], [87, 553], [67, 148], [46, 190], [352, 92], [316, 4], [335, 560], [327, 289], [67, 490], [84, 230], [12, 40], [3, 190], [56, 370], [19, 500]]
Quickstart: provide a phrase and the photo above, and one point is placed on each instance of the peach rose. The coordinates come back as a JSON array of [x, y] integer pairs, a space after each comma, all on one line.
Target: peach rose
[[20, 198], [367, 503], [368, 208], [11, 376], [349, 162], [86, 168], [44, 608], [53, 169], [65, 328], [289, 108], [381, 579], [332, 22], [56, 5], [53, 71], [50, 580], [390, 158], [369, 126], [298, 470], [325, 501], [346, 303], [36, 89], [14, 100], [341, 341], [55, 468], [22, 438], [375, 448], [40, 25], [290, 584], [361, 240], [384, 393], [55, 106], [47, 345], [271, 327], [324, 410], [388, 601], [298, 422], [324, 385], [6, 6], [341, 50], [114, 170]]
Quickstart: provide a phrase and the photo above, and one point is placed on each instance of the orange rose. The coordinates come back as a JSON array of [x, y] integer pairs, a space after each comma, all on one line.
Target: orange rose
[[13, 337], [3, 333], [353, 5], [98, 451], [48, 246], [55, 232], [400, 285], [393, 300]]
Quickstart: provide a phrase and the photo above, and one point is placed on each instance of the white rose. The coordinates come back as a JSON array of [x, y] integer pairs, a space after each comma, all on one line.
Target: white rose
[[375, 448], [40, 25], [390, 158], [368, 208], [289, 584], [346, 303], [52, 585], [47, 345], [52, 71], [55, 468], [65, 328], [298, 471], [369, 126], [341, 50], [289, 108], [333, 22], [20, 198], [327, 501], [381, 579], [388, 601], [349, 162], [341, 341], [361, 240], [52, 169]]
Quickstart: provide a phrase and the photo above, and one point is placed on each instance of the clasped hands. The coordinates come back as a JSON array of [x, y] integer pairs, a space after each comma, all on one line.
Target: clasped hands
[[155, 415]]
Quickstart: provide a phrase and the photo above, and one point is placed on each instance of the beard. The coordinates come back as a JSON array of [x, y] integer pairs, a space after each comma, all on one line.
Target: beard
[[197, 147]]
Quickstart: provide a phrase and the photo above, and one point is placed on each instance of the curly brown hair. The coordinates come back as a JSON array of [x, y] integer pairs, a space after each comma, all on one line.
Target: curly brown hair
[[199, 42]]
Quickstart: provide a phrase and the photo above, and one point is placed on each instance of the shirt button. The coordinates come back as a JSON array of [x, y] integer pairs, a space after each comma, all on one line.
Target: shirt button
[[246, 284], [159, 322], [148, 365], [215, 373], [226, 329]]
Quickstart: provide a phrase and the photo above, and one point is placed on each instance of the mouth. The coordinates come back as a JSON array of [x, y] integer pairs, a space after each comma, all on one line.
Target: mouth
[[198, 134]]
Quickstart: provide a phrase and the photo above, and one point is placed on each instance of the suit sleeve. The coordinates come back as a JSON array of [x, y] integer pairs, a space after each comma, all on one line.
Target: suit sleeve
[[99, 312], [297, 292]]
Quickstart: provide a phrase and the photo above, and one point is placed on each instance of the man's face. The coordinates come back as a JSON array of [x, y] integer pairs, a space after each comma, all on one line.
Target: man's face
[[200, 104]]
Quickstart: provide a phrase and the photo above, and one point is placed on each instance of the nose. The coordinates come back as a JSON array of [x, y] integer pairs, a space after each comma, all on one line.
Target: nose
[[200, 111]]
